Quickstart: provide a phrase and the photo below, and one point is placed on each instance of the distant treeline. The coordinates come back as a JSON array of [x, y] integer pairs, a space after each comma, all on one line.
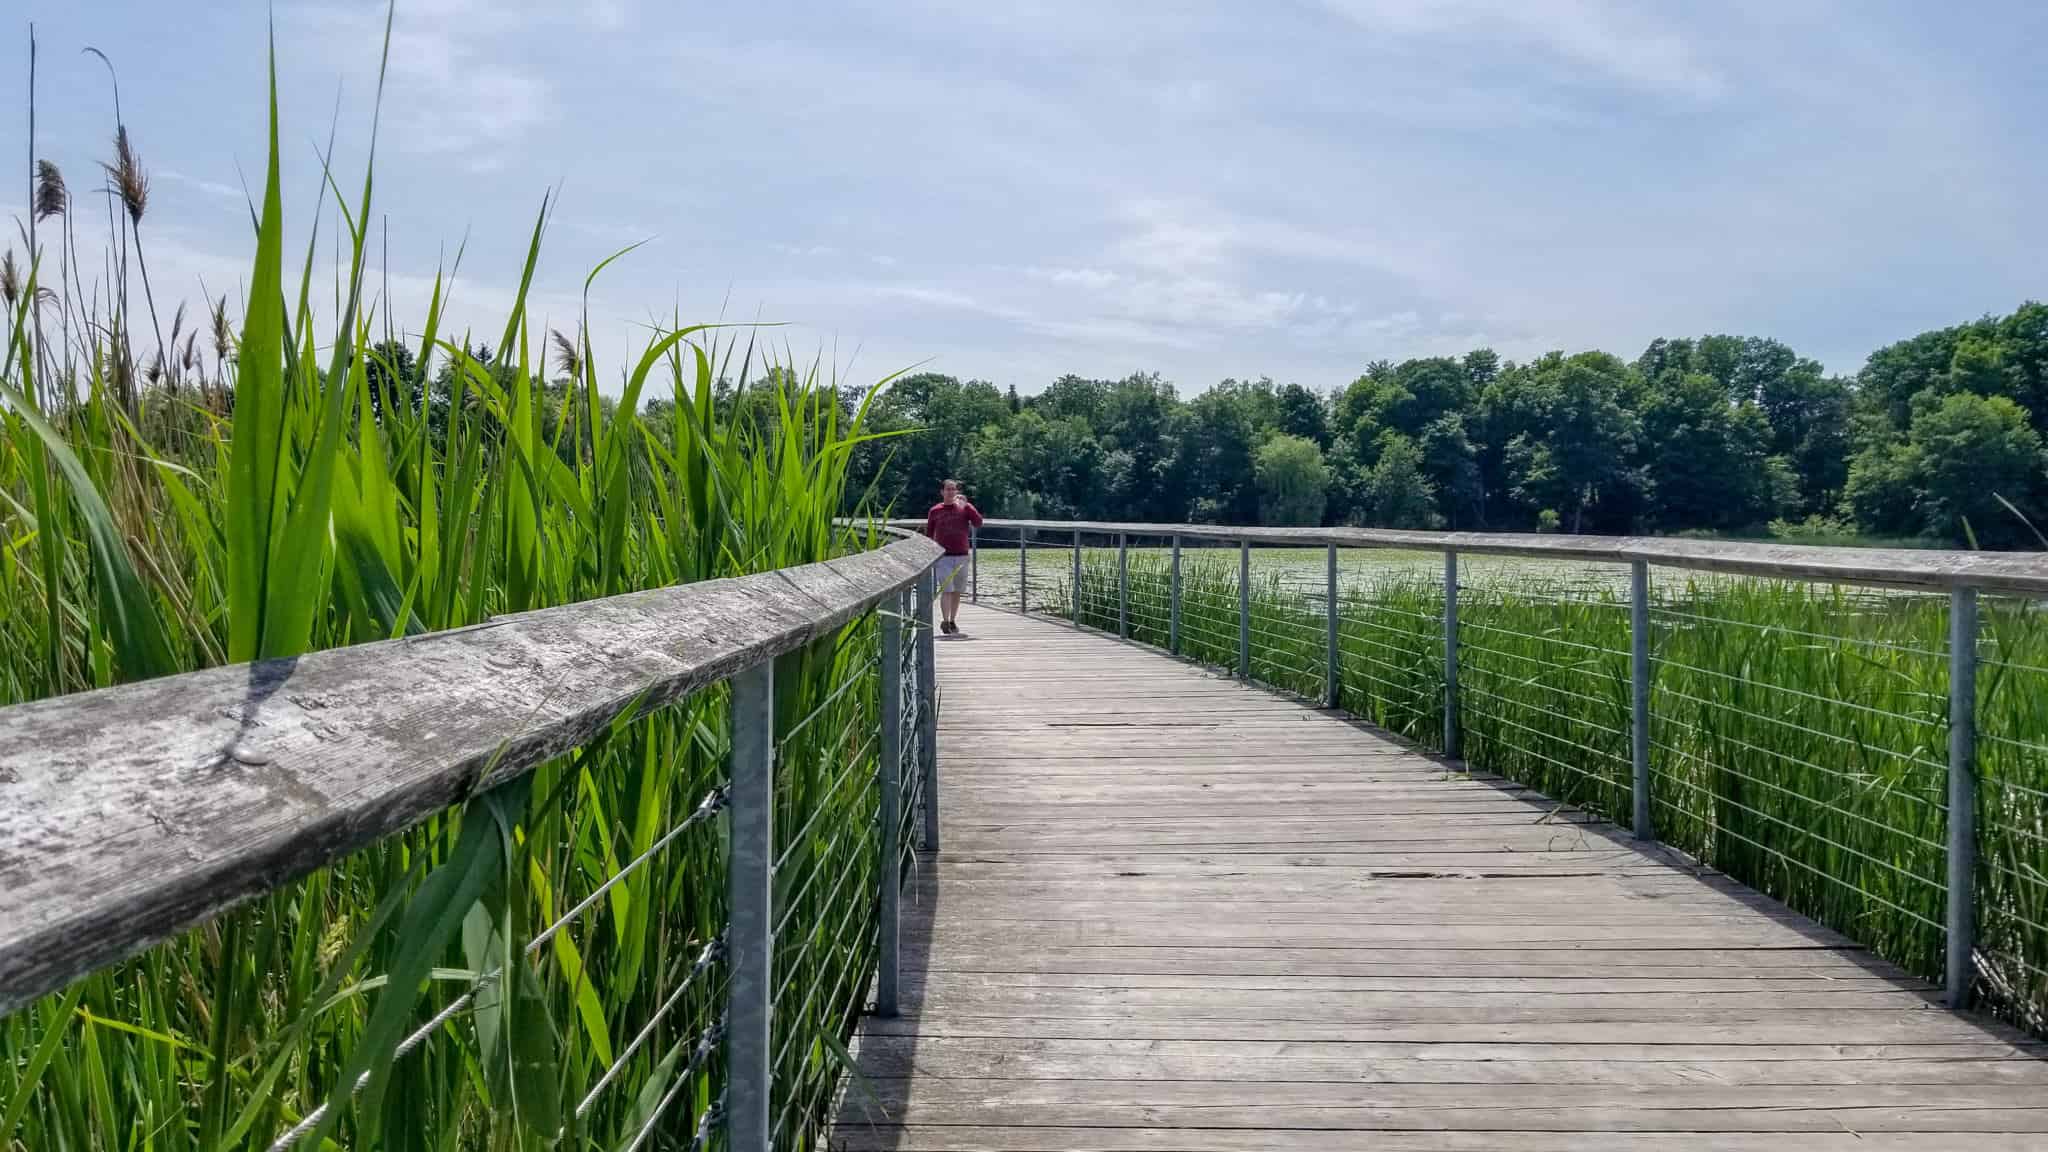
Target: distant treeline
[[1939, 437]]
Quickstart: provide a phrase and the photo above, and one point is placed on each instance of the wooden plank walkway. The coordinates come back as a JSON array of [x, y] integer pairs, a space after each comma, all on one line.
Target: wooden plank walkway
[[1173, 912]]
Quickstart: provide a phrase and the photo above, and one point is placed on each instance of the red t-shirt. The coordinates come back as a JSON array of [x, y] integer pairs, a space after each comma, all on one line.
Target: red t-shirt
[[949, 526]]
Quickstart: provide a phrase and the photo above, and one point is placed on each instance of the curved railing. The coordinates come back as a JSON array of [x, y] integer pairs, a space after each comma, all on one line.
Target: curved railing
[[1862, 733], [793, 747]]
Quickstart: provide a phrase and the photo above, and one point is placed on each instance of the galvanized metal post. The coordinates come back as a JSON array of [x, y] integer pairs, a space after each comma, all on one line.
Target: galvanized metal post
[[1173, 603], [1453, 730], [1076, 597], [1244, 609], [890, 767], [1330, 677], [1962, 794], [1123, 586], [927, 712], [974, 563], [1639, 695], [1024, 571], [749, 902]]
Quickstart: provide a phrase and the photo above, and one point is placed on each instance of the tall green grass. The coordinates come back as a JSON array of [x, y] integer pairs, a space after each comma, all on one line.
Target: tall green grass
[[1799, 732], [299, 496]]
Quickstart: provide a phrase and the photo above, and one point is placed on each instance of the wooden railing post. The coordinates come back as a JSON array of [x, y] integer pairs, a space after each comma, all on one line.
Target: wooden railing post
[[1123, 586], [1453, 729], [750, 901], [1024, 571], [1173, 603], [1244, 609], [927, 713], [890, 769], [1962, 794], [1330, 671], [1639, 695]]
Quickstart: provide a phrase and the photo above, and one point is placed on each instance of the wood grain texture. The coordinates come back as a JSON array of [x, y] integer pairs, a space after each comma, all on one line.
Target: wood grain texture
[[1177, 913], [133, 813], [2020, 572]]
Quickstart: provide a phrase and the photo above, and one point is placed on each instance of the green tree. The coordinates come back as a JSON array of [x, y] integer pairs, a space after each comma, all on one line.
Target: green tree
[[1048, 468], [1406, 399], [1970, 451], [1137, 424], [1073, 396], [1451, 464], [1219, 440], [1703, 457], [1882, 484], [1482, 365], [937, 418], [1400, 495], [1808, 413], [1302, 413], [2023, 336], [1576, 448], [1293, 481]]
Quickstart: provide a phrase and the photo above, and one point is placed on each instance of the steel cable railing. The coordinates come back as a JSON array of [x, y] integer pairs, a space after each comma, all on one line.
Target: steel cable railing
[[1758, 708]]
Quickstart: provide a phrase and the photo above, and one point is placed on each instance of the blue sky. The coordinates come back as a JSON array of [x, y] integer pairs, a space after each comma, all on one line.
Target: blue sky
[[1204, 190]]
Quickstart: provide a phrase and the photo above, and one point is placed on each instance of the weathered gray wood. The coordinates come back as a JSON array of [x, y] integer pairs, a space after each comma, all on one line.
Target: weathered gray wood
[[883, 1136], [1698, 1122], [1024, 1055], [1744, 1107], [1193, 1061], [1653, 1027], [2020, 572], [1177, 912], [132, 813]]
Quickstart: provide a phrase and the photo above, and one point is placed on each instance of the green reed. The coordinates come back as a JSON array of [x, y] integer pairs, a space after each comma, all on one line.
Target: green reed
[[304, 494]]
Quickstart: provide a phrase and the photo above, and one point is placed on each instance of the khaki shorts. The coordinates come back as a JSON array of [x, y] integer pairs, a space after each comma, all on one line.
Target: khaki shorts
[[950, 574]]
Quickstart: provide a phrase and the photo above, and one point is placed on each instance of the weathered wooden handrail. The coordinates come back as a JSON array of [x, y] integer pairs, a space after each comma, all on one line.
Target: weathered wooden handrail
[[132, 813], [2024, 573]]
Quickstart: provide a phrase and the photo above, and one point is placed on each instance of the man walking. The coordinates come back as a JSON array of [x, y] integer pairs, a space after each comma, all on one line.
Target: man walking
[[950, 523]]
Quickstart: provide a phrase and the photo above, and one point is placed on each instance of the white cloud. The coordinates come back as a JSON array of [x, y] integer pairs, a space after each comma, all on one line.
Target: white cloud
[[459, 81], [212, 188], [1610, 38], [1188, 234]]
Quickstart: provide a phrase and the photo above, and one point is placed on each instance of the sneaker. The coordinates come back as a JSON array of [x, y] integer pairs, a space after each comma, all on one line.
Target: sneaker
[[948, 627]]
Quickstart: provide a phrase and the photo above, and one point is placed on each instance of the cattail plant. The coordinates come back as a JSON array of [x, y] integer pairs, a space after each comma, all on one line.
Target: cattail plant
[[567, 359], [52, 201], [52, 198], [223, 347], [131, 185]]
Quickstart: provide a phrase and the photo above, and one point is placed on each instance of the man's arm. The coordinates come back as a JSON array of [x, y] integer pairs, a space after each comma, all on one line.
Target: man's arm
[[973, 515], [931, 524]]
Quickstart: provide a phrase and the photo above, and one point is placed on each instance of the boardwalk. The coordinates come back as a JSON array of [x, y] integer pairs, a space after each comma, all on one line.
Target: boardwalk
[[1176, 913]]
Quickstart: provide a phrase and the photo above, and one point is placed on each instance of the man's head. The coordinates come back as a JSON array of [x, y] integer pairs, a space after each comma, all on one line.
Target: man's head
[[948, 490]]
